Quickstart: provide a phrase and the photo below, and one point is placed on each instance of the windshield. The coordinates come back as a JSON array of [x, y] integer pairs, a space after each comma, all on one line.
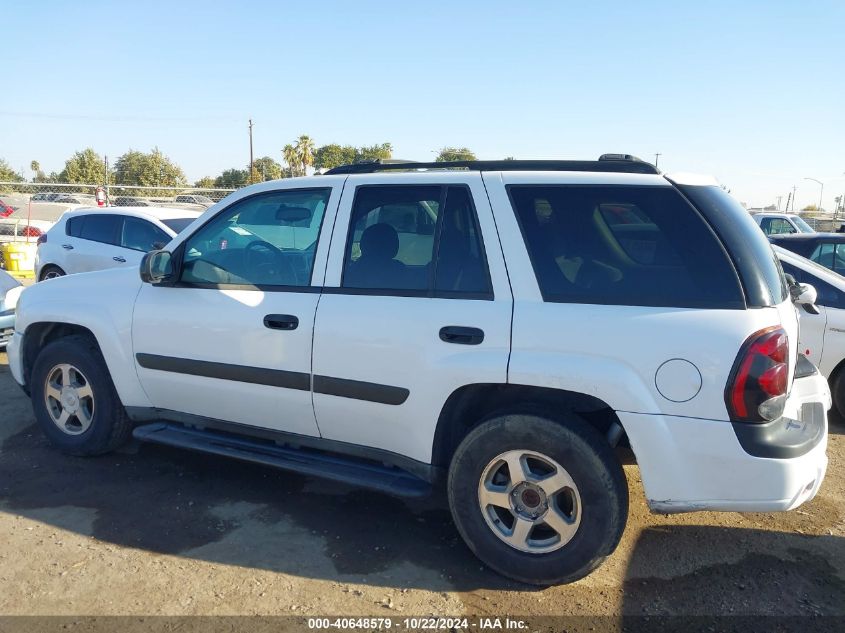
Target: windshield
[[177, 225], [803, 227]]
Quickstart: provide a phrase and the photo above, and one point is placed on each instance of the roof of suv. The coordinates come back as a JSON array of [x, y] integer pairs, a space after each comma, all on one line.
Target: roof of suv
[[625, 163]]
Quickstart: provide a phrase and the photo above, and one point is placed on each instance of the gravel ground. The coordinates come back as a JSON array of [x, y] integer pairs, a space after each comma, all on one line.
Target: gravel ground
[[152, 530]]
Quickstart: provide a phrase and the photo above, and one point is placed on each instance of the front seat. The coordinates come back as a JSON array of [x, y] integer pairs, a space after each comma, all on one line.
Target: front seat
[[376, 267]]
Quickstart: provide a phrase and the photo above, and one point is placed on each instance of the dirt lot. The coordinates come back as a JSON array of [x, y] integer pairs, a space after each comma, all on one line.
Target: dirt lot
[[158, 531]]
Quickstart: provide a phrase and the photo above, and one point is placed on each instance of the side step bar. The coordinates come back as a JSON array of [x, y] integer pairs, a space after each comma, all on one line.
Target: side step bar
[[306, 461]]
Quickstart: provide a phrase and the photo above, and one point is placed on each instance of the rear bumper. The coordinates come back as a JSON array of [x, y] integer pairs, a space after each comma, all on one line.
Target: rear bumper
[[690, 464]]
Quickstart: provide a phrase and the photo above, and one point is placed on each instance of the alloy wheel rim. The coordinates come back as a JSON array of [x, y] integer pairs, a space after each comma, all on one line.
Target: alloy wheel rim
[[529, 501], [69, 399]]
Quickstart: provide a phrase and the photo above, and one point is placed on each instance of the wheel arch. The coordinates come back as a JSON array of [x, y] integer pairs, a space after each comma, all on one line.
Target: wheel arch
[[119, 365], [470, 405]]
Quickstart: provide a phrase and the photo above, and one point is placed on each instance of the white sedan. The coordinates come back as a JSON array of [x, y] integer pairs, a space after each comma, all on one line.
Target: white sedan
[[822, 333], [90, 239]]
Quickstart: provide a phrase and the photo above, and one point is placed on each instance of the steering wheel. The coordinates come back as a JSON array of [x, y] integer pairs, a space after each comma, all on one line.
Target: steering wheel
[[279, 267]]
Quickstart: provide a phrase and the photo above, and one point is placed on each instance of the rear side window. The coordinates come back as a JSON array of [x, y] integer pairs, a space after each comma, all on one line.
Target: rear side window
[[73, 226], [777, 226], [623, 245], [755, 260], [101, 228], [140, 235], [416, 241]]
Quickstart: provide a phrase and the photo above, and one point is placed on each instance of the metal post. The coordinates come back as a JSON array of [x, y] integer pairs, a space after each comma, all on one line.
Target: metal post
[[250, 149], [821, 192], [657, 156], [108, 199]]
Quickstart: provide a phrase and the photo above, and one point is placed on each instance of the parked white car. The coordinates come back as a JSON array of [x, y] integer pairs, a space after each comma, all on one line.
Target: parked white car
[[194, 198], [496, 331], [822, 335], [781, 223], [89, 239]]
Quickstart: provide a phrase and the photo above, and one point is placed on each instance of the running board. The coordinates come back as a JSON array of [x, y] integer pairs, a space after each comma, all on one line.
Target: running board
[[348, 470]]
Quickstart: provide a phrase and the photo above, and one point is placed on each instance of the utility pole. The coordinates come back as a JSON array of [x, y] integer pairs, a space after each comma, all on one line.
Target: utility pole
[[779, 199], [250, 149], [793, 197], [657, 157], [106, 165]]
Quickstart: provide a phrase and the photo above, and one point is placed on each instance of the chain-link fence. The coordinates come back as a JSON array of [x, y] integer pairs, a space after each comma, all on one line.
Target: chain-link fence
[[28, 209]]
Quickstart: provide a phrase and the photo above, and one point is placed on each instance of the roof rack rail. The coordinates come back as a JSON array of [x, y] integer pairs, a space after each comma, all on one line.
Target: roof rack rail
[[621, 163]]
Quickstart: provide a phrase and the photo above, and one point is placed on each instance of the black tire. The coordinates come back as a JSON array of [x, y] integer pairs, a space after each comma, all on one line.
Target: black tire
[[109, 427], [589, 461], [837, 392], [50, 271]]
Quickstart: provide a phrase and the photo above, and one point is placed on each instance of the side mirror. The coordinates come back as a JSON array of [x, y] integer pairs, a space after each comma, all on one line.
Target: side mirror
[[156, 266], [806, 296]]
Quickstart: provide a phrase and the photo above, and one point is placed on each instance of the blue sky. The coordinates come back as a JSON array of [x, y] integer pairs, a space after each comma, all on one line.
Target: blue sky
[[752, 92]]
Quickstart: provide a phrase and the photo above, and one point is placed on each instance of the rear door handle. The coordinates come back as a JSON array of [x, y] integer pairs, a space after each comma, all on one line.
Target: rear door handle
[[281, 322], [118, 259], [461, 335], [67, 247]]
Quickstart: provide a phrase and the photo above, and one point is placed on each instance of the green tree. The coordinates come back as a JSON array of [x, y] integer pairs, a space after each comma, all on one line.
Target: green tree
[[305, 152], [334, 155], [85, 167], [206, 182], [291, 158], [148, 169], [267, 168], [455, 153], [232, 178], [374, 152], [7, 174]]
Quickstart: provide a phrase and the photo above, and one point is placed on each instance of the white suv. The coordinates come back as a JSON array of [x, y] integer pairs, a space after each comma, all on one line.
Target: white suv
[[93, 239], [497, 330]]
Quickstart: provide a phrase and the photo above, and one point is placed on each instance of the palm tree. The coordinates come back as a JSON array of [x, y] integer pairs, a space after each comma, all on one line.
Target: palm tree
[[291, 157], [305, 151]]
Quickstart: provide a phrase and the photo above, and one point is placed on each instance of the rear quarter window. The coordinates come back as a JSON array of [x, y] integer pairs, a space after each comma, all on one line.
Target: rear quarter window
[[623, 245], [759, 269]]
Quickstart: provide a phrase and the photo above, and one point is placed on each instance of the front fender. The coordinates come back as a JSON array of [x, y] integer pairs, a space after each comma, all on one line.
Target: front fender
[[101, 302]]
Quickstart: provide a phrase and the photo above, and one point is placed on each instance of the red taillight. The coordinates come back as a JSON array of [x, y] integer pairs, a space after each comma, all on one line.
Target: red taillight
[[31, 231], [42, 239], [756, 390]]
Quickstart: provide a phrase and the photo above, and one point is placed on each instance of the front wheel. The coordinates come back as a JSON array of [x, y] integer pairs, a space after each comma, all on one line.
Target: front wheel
[[540, 500], [74, 399]]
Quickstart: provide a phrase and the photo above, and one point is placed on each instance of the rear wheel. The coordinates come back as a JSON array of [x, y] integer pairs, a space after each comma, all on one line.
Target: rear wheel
[[540, 500], [74, 399], [51, 272]]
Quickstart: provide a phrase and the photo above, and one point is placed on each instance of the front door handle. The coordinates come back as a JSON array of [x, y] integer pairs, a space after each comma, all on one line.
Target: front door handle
[[281, 322], [67, 247], [119, 259], [461, 335]]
